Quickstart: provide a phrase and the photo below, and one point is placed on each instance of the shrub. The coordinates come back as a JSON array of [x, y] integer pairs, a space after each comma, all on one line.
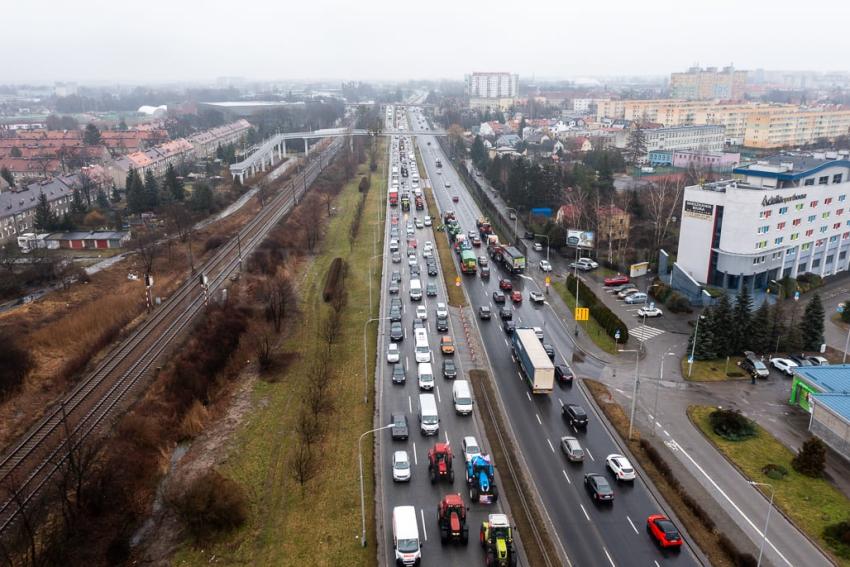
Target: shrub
[[775, 472], [365, 183], [213, 242], [334, 280], [677, 303], [212, 504], [838, 538], [811, 460], [731, 425], [739, 558], [15, 364], [606, 318]]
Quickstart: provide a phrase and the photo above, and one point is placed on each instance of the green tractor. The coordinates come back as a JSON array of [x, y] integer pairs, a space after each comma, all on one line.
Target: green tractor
[[498, 542]]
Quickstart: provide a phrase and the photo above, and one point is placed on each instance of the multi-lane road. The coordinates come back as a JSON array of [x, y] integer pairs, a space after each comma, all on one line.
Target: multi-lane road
[[590, 535]]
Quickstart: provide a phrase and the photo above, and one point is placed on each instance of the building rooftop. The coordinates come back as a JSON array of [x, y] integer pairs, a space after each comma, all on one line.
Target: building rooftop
[[832, 379], [838, 403], [792, 167]]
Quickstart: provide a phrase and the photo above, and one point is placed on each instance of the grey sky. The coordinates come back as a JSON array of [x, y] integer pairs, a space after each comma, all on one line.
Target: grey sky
[[175, 40]]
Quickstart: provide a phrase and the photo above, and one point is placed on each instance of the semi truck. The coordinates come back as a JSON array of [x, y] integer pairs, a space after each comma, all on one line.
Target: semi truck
[[468, 262], [509, 256], [534, 364], [393, 197]]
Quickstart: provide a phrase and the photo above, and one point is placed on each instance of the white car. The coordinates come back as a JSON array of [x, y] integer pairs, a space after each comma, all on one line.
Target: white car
[[411, 260], [428, 254], [442, 310], [401, 466], [393, 353], [419, 224], [428, 246], [427, 221], [545, 266], [538, 247], [448, 185], [620, 467], [650, 311], [784, 365], [470, 448], [421, 312]]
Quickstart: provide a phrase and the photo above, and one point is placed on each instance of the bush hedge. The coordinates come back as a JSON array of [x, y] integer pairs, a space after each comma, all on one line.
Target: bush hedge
[[838, 537], [731, 425], [212, 504], [606, 318], [334, 279]]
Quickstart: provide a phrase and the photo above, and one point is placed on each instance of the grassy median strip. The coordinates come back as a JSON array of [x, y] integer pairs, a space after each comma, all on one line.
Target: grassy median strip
[[719, 550], [714, 370], [312, 518], [514, 489], [812, 503], [596, 333]]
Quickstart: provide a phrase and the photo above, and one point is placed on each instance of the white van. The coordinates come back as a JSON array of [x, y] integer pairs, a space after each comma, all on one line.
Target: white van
[[422, 348], [425, 375], [429, 420], [406, 536], [462, 397], [415, 290]]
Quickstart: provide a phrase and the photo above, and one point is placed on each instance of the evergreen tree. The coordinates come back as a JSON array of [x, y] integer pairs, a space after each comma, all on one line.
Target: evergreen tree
[[636, 145], [115, 195], [122, 126], [741, 322], [173, 184], [811, 327], [705, 348], [479, 153], [151, 190], [91, 135], [777, 326], [77, 205], [136, 200], [760, 329], [102, 200], [45, 218], [721, 325], [15, 152], [7, 175], [202, 197]]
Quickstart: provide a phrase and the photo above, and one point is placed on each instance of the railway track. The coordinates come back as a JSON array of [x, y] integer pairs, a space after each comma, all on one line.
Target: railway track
[[27, 468]]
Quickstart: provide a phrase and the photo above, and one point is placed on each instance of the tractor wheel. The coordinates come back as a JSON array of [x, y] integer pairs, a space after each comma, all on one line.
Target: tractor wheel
[[452, 476], [481, 537], [464, 536], [444, 535], [433, 474], [473, 494], [495, 491]]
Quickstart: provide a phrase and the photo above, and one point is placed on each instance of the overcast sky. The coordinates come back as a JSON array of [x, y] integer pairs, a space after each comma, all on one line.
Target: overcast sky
[[176, 40]]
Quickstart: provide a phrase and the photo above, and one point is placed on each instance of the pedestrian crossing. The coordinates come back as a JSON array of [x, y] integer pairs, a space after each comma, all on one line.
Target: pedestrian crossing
[[644, 332]]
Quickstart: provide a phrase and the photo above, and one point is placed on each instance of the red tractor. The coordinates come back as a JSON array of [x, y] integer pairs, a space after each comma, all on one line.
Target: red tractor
[[451, 517], [440, 462]]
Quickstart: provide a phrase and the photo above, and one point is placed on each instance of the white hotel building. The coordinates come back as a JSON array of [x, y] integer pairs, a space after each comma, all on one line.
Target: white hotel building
[[781, 217]]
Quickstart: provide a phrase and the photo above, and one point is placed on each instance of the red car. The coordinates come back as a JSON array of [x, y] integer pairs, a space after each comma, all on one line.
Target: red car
[[619, 279], [412, 243], [516, 297], [662, 530], [455, 198], [505, 284]]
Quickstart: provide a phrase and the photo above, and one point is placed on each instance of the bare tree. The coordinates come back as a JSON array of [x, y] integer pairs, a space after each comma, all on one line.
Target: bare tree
[[662, 201], [279, 298], [303, 463], [179, 220], [146, 246], [312, 223], [75, 464], [263, 345]]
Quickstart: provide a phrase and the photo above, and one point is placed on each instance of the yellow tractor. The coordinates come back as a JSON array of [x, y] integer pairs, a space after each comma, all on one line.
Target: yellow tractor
[[498, 542]]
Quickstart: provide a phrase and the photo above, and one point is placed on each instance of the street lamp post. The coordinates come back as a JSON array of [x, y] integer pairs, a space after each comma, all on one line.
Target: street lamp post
[[694, 346], [658, 387], [546, 236], [362, 497], [370, 279], [634, 388], [767, 518], [365, 363]]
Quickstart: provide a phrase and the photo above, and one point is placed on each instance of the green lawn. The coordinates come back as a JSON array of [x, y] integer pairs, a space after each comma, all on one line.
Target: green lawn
[[596, 333], [714, 370], [318, 524], [811, 503]]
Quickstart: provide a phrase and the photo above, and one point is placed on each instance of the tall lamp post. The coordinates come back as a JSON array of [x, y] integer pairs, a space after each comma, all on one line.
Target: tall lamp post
[[658, 387], [767, 518], [694, 347], [362, 497], [370, 279], [546, 236], [635, 387], [365, 363]]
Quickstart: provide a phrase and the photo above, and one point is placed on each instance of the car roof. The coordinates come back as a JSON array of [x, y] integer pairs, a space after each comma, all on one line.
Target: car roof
[[470, 440], [400, 455]]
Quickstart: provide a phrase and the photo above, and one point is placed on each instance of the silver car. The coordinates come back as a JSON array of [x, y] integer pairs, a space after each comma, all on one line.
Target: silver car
[[401, 466], [572, 449]]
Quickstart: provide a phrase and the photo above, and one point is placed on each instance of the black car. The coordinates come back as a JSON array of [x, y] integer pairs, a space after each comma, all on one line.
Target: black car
[[528, 235], [598, 487], [395, 314], [398, 373], [449, 369], [395, 302], [574, 415], [399, 429], [800, 359], [509, 327], [442, 324], [550, 351], [432, 270], [396, 332], [498, 297], [414, 270], [431, 289], [506, 313], [394, 288], [484, 312], [485, 272], [418, 324], [564, 374], [395, 276], [483, 261]]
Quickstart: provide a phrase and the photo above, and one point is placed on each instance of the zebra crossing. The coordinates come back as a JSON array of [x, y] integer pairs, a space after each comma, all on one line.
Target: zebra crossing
[[644, 332]]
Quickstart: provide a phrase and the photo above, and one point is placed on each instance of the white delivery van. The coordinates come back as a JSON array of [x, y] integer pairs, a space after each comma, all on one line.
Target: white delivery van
[[429, 420], [406, 536], [462, 397], [415, 290], [422, 349], [425, 375]]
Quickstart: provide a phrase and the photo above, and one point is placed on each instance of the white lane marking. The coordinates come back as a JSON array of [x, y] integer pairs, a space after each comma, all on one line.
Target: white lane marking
[[507, 343], [446, 433], [566, 477], [665, 433], [632, 524], [550, 445], [437, 389], [589, 454], [415, 458], [520, 377], [538, 419], [528, 396], [561, 402], [585, 512], [657, 424], [656, 564], [410, 404], [726, 496], [608, 555], [422, 515]]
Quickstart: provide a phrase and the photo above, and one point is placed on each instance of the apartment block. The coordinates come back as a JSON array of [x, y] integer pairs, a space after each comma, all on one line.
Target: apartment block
[[709, 83]]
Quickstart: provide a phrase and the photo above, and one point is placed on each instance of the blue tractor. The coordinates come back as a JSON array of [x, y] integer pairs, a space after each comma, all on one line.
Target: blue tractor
[[480, 477]]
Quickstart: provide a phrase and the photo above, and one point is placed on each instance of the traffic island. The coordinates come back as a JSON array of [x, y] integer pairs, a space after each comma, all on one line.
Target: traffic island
[[718, 370], [814, 505]]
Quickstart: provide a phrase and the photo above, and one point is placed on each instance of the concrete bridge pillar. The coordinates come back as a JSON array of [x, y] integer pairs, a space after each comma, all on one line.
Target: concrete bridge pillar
[[283, 146], [306, 148]]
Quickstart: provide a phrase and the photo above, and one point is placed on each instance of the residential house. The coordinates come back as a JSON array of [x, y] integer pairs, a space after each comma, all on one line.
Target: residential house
[[17, 207]]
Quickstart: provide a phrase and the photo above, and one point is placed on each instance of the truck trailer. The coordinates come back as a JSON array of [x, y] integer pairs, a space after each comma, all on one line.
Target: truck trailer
[[534, 363]]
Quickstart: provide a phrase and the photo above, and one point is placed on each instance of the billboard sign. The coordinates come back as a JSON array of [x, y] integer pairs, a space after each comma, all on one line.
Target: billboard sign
[[698, 210], [580, 238], [639, 269]]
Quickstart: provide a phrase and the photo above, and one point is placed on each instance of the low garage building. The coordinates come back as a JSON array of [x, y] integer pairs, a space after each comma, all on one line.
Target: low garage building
[[90, 240], [824, 391]]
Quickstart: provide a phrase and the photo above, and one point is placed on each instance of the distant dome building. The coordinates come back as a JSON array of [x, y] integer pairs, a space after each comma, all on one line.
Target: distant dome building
[[153, 110]]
